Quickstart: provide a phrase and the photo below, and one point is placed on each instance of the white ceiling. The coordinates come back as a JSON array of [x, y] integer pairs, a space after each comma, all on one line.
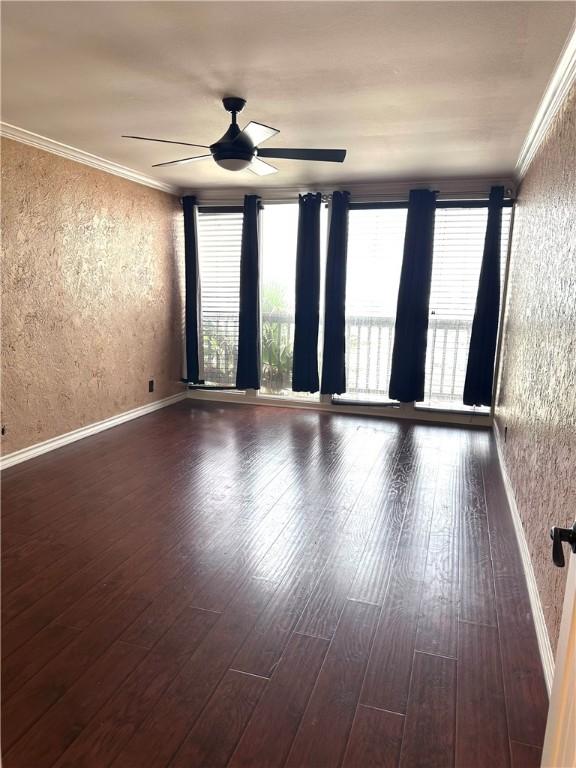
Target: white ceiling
[[413, 90]]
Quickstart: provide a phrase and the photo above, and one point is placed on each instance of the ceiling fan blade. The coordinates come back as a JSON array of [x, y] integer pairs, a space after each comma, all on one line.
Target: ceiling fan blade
[[181, 162], [260, 168], [325, 155], [257, 132], [166, 141]]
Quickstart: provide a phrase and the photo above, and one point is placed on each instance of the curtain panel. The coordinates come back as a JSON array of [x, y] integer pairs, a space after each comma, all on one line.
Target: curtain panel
[[305, 356], [411, 329], [334, 356], [480, 368], [248, 367], [192, 284]]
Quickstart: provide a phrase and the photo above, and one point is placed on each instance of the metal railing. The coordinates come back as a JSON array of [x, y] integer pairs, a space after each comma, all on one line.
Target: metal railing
[[369, 343]]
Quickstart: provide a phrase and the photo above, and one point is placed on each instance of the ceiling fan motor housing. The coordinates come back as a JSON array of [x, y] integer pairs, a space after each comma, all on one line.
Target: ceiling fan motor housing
[[234, 151]]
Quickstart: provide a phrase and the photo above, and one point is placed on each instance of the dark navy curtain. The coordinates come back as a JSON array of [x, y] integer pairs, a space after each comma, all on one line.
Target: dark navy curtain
[[411, 330], [334, 357], [305, 359], [192, 281], [480, 368], [248, 369]]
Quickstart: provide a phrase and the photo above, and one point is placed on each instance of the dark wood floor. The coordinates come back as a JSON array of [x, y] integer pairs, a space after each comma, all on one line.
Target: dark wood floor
[[249, 586]]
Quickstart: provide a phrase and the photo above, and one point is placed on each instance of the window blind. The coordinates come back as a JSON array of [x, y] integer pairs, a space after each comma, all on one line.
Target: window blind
[[219, 244], [458, 247]]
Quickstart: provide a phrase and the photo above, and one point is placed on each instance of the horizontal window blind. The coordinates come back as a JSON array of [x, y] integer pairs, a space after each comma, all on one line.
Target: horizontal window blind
[[219, 244], [375, 248], [458, 248]]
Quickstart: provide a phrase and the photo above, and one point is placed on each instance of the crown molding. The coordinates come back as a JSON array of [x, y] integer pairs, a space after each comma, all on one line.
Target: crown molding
[[449, 188], [557, 90], [79, 156]]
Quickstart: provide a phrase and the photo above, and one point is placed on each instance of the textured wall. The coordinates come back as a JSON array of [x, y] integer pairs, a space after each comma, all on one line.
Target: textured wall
[[537, 397], [91, 301]]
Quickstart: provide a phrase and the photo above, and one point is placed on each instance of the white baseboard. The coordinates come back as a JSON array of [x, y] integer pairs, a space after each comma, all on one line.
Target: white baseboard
[[10, 459], [546, 654], [390, 412]]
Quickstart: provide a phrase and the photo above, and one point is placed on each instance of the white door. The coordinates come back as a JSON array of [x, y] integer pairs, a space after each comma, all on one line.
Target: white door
[[560, 740]]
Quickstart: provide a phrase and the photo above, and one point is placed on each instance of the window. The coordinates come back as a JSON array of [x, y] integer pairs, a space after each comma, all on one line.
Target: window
[[219, 243], [375, 248], [458, 248], [375, 251], [279, 233]]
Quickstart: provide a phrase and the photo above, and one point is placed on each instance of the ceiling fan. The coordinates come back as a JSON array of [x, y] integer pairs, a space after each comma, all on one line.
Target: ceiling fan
[[239, 149]]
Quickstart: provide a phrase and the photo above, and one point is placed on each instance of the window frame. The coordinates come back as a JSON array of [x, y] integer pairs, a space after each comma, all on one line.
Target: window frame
[[332, 403]]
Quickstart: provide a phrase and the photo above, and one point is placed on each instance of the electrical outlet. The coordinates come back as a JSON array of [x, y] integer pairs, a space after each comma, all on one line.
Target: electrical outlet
[[151, 385]]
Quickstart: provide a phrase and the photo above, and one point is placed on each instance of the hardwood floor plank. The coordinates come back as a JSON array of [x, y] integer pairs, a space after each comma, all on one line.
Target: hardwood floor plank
[[438, 617], [218, 730], [265, 644], [322, 612], [271, 730], [31, 621], [143, 575], [386, 493], [524, 684], [51, 735], [387, 678], [217, 573], [23, 562], [211, 580], [274, 559], [482, 730], [163, 731], [147, 628], [406, 514], [390, 665], [335, 584], [477, 601], [525, 755], [114, 724], [100, 593], [323, 733], [439, 606], [32, 656], [429, 729], [44, 689], [375, 739]]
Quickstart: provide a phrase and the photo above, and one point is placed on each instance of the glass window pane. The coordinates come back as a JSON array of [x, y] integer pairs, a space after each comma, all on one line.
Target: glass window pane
[[375, 248], [279, 233]]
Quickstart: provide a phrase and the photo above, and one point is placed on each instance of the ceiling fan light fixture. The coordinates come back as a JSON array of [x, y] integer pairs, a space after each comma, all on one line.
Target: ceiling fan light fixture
[[233, 163]]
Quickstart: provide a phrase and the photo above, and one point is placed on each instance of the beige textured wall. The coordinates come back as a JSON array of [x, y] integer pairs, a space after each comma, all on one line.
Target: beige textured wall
[[537, 397], [91, 300]]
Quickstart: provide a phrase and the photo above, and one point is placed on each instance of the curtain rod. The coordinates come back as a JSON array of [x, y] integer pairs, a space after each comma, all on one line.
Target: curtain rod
[[447, 202], [359, 199], [448, 189]]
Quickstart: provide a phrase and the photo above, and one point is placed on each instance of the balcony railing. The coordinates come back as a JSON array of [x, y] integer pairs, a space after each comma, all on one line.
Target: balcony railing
[[369, 342]]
